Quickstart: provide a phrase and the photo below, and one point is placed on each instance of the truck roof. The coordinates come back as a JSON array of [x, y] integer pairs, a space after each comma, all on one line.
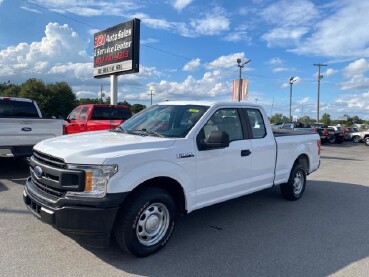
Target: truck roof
[[5, 98], [209, 103]]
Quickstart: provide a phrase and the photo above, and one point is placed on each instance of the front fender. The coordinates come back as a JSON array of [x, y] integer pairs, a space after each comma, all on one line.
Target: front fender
[[125, 181]]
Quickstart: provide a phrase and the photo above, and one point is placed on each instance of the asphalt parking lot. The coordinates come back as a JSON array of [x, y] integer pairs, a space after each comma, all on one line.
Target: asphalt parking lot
[[323, 234]]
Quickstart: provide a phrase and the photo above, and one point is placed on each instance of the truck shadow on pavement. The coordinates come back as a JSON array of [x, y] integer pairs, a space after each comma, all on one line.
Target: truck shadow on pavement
[[15, 169], [263, 235]]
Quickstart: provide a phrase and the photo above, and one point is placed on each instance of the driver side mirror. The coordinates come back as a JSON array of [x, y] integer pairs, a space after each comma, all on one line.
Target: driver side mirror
[[216, 140]]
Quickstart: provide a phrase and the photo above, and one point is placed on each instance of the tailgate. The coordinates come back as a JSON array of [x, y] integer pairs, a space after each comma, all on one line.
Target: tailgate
[[17, 131]]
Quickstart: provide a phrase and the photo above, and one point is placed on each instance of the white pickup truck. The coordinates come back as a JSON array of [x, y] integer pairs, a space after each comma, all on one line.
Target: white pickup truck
[[169, 159], [22, 126]]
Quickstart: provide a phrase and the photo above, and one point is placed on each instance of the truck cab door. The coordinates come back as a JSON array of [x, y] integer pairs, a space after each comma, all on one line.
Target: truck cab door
[[81, 121], [70, 126], [224, 172]]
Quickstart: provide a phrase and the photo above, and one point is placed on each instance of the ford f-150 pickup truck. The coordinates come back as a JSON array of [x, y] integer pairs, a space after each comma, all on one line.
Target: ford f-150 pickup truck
[[22, 126], [169, 159], [96, 117]]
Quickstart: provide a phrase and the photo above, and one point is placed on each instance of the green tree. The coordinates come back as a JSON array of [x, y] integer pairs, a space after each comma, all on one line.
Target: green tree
[[135, 108], [278, 117], [9, 90], [83, 101], [124, 103], [60, 100], [326, 119], [55, 100]]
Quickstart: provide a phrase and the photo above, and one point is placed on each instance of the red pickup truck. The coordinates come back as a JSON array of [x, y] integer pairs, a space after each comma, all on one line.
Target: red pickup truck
[[95, 117]]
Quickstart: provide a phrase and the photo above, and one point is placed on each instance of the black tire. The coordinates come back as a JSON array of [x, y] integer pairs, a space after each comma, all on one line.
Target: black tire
[[151, 209], [356, 139], [366, 141], [295, 187]]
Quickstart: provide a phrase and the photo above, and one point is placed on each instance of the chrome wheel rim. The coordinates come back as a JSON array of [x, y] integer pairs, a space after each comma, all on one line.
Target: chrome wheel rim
[[298, 182], [152, 224]]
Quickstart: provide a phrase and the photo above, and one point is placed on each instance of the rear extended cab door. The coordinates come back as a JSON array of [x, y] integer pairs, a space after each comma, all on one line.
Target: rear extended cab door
[[106, 117], [245, 166]]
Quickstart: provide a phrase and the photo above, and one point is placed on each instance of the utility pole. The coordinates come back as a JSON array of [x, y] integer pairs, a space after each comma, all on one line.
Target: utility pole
[[319, 77], [240, 65]]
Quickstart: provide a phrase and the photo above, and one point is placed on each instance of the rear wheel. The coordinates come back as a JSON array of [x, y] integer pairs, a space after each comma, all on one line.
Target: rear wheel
[[356, 139], [145, 224], [295, 187]]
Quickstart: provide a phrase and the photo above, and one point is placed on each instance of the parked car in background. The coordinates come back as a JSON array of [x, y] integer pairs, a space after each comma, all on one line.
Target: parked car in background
[[292, 125], [360, 136], [335, 134], [22, 126], [95, 117], [348, 131]]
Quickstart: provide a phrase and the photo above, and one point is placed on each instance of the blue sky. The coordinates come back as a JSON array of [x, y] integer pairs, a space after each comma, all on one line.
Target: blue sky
[[189, 50]]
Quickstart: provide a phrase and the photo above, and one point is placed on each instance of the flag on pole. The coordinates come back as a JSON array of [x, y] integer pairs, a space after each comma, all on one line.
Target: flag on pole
[[244, 89]]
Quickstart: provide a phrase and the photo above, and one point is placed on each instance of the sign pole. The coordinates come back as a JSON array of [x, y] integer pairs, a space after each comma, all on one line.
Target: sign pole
[[113, 89]]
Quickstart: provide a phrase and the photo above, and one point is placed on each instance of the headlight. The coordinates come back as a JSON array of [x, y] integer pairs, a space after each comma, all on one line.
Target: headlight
[[96, 180]]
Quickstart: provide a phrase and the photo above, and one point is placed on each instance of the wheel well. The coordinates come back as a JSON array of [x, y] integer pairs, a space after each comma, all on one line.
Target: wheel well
[[303, 160], [168, 184]]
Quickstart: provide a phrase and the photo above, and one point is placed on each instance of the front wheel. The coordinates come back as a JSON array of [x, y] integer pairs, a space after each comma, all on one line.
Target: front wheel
[[144, 225], [366, 141], [295, 187]]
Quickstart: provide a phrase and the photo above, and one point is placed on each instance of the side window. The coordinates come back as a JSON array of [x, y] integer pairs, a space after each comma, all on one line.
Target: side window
[[73, 115], [226, 120], [83, 113], [257, 123]]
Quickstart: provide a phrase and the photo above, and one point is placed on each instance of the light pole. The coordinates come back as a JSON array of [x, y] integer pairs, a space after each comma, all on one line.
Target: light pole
[[319, 77], [292, 80], [240, 65], [151, 89]]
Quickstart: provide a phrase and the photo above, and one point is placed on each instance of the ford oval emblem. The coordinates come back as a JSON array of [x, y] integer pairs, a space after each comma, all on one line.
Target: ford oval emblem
[[38, 171]]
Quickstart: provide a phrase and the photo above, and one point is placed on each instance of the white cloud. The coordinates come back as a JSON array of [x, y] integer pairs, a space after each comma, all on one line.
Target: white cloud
[[181, 4], [340, 34], [228, 61], [91, 8], [355, 73], [280, 69], [284, 36], [192, 65], [330, 72], [357, 67], [287, 13], [211, 85], [59, 44], [275, 61], [210, 25]]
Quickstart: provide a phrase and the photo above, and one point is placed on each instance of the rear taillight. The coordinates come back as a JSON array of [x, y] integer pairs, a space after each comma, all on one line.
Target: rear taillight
[[315, 131], [325, 132], [319, 143]]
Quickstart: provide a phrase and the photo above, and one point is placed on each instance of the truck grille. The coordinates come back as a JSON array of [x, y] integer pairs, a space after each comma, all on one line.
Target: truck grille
[[52, 176], [49, 160]]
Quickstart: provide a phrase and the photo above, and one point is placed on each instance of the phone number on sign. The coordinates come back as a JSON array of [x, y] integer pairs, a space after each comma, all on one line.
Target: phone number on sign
[[111, 58]]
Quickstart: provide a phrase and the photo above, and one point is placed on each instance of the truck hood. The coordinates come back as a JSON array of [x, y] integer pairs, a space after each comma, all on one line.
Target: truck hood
[[96, 147]]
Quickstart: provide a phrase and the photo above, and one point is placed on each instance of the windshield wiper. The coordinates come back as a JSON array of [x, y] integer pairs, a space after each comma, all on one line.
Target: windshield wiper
[[147, 132], [119, 130]]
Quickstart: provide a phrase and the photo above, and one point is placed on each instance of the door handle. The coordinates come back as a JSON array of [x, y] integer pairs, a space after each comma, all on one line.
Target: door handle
[[246, 152]]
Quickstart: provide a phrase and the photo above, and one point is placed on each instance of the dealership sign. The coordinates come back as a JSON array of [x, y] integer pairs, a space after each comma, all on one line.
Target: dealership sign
[[116, 49]]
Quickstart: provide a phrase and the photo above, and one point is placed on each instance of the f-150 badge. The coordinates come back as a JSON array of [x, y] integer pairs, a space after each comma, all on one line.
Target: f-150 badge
[[185, 155]]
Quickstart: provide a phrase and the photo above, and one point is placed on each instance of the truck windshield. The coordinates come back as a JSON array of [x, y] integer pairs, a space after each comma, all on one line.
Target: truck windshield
[[164, 120]]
